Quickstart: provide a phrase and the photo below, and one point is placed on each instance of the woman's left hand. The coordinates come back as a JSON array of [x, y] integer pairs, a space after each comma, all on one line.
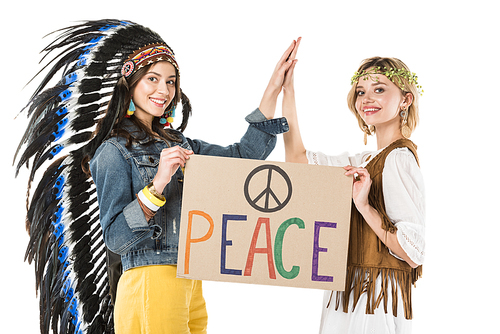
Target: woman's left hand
[[361, 186]]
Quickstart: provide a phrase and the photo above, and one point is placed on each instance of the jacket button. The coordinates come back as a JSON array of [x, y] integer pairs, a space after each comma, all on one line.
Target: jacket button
[[151, 160]]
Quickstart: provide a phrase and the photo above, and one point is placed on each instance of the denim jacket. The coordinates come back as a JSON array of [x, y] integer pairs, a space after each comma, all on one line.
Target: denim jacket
[[119, 173]]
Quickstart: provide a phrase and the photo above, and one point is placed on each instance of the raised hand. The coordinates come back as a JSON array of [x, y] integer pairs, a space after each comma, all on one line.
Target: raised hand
[[294, 146], [268, 102], [285, 63], [288, 80]]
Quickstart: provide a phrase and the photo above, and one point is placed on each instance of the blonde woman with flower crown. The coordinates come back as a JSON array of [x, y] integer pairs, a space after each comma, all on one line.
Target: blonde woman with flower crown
[[386, 246]]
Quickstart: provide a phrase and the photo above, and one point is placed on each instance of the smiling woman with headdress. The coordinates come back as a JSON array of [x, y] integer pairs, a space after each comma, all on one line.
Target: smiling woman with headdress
[[112, 114]]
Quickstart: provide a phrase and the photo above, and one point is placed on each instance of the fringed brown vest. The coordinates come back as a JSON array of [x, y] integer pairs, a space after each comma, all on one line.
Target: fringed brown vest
[[368, 258]]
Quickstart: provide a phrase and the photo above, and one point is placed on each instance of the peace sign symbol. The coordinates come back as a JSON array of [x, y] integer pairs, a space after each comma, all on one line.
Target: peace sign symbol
[[267, 200]]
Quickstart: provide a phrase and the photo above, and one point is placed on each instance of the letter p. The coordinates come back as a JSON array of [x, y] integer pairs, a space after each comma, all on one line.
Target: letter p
[[190, 240]]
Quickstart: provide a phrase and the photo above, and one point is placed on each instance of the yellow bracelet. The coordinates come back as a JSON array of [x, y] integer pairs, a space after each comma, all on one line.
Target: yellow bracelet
[[155, 200]]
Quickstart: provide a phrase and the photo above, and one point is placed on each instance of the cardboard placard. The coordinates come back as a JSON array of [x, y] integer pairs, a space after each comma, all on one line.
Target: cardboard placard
[[263, 222]]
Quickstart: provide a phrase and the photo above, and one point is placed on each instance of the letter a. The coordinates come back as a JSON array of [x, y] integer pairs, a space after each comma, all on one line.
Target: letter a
[[268, 250]]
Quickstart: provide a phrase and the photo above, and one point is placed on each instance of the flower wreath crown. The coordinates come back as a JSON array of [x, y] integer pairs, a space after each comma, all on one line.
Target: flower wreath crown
[[394, 74]]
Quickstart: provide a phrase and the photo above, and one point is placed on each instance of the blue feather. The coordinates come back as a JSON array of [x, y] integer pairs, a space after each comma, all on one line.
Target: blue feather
[[82, 61], [96, 39], [73, 307], [58, 187], [89, 46], [62, 111], [55, 151], [58, 230], [67, 290], [63, 254], [65, 95], [70, 78]]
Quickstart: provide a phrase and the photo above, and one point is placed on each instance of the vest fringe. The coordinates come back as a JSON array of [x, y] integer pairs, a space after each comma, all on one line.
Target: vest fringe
[[369, 258], [363, 281]]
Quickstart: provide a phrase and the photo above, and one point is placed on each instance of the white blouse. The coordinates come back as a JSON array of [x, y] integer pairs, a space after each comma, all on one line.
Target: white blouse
[[403, 188]]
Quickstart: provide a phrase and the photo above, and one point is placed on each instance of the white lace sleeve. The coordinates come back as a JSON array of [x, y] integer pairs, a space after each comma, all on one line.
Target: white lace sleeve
[[318, 158], [405, 202]]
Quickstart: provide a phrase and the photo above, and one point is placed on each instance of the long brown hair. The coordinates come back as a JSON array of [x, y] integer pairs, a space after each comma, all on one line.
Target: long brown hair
[[123, 89], [111, 124]]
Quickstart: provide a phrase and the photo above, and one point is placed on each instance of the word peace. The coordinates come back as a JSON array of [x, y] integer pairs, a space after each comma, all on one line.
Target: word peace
[[274, 258]]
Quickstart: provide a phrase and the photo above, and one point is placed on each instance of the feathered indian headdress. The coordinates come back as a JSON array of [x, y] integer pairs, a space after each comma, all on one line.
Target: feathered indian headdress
[[66, 243]]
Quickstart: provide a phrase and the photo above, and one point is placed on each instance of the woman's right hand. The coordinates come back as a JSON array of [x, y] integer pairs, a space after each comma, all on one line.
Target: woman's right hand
[[286, 61], [294, 147], [362, 183], [288, 81], [170, 160], [268, 103]]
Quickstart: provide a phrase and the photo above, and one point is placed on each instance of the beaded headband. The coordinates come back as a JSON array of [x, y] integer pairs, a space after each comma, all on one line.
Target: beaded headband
[[148, 55], [395, 75]]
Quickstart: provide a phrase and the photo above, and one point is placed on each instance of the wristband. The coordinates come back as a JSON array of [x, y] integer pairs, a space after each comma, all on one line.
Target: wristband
[[155, 200], [150, 205], [152, 190]]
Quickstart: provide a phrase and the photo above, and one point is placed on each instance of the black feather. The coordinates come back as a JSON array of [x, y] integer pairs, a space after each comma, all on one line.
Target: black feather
[[66, 242]]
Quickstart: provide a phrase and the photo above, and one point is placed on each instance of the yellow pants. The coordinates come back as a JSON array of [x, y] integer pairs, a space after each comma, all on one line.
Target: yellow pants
[[153, 300]]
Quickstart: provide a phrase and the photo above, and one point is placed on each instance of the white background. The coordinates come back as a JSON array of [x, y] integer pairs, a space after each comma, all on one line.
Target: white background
[[227, 51]]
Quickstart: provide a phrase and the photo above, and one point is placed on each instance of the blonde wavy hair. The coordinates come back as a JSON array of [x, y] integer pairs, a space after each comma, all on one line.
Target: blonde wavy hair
[[406, 84]]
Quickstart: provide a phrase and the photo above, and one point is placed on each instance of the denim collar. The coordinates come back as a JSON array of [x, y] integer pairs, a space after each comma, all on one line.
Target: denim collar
[[131, 128]]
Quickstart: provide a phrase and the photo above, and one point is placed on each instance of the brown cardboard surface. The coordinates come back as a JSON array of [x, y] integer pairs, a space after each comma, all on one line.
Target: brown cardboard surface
[[264, 222]]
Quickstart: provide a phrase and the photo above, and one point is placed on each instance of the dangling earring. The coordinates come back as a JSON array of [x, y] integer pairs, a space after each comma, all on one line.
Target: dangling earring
[[131, 109], [168, 117], [405, 129]]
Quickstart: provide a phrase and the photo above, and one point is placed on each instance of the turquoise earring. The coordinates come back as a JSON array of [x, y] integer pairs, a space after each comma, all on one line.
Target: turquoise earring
[[168, 117], [131, 108]]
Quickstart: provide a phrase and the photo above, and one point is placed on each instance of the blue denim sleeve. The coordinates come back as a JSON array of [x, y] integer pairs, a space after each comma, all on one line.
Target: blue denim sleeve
[[122, 219], [257, 143], [273, 126]]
